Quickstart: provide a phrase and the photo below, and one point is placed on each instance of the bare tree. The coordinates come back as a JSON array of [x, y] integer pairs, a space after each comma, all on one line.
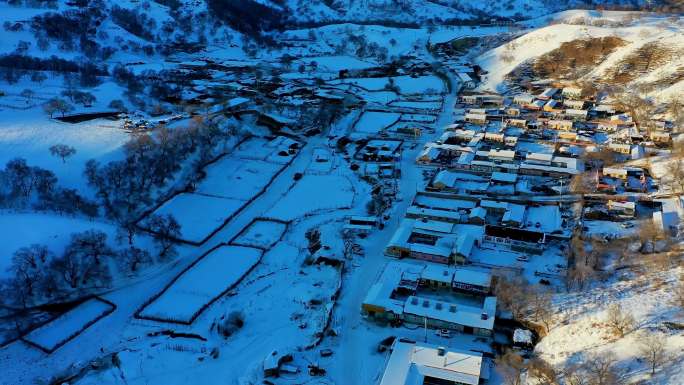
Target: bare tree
[[511, 294], [63, 151], [29, 266], [541, 372], [652, 349], [313, 238], [28, 94], [57, 105], [601, 370], [166, 231], [675, 170], [575, 374], [132, 258], [619, 322], [539, 299], [510, 366]]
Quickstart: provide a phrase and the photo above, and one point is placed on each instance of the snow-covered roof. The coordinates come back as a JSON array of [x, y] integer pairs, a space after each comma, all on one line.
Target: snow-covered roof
[[455, 313], [472, 277], [411, 362], [514, 213], [437, 226], [504, 177], [522, 336]]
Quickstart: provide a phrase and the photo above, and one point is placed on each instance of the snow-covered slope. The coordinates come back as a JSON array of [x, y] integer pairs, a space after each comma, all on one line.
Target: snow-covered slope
[[650, 56]]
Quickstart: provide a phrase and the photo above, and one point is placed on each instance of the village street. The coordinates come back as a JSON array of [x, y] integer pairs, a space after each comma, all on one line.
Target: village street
[[356, 340]]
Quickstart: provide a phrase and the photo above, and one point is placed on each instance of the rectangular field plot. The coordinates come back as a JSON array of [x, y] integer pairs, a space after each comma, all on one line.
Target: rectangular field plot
[[262, 233], [313, 193], [229, 185], [67, 326], [236, 178], [418, 104], [201, 284], [200, 215], [267, 150], [372, 122]]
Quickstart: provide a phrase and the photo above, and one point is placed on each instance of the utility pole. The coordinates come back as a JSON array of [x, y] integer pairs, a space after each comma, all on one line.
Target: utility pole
[[425, 320]]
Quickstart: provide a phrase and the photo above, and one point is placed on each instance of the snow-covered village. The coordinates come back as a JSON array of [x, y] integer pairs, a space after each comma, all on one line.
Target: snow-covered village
[[371, 192]]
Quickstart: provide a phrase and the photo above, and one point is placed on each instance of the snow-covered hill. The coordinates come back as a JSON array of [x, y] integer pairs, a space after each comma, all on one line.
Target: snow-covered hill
[[649, 56]]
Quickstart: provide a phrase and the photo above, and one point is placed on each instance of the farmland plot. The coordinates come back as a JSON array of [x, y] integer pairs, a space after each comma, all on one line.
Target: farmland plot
[[201, 284], [228, 187], [314, 193], [372, 122], [199, 215], [235, 178], [67, 326], [262, 233]]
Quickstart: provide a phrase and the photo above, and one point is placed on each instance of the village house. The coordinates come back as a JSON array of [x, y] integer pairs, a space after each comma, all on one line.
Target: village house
[[548, 93], [549, 165], [520, 123], [574, 104], [399, 295], [552, 106], [571, 92], [567, 135], [536, 105], [476, 118], [564, 125], [466, 80], [430, 240], [413, 363], [523, 100], [575, 114], [520, 240], [511, 141], [511, 111], [627, 209], [458, 182]]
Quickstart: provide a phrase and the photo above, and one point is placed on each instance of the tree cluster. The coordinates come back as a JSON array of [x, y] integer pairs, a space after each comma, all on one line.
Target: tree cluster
[[24, 186], [150, 162]]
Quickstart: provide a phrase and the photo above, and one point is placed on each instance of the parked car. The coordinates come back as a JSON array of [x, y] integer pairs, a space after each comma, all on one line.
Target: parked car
[[444, 333]]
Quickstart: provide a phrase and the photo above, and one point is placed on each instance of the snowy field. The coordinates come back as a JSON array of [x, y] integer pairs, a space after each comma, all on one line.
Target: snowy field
[[266, 150], [312, 194], [373, 122], [229, 185], [68, 325], [236, 178], [198, 214], [334, 64], [420, 105], [261, 233], [29, 134], [205, 281], [407, 85]]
